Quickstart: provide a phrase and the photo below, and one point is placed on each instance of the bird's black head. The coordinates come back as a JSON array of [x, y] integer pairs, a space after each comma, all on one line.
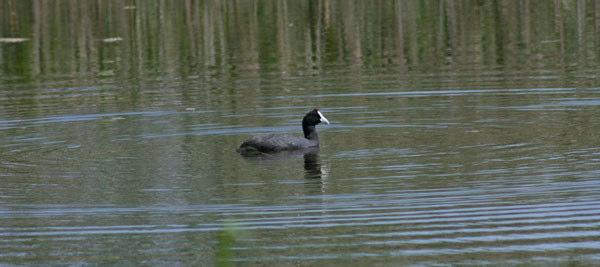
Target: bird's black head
[[311, 119]]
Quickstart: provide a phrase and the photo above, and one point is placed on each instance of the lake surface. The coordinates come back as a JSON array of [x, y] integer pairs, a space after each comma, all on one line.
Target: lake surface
[[462, 133]]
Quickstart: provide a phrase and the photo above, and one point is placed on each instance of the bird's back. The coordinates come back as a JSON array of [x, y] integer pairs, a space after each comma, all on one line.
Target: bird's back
[[274, 143]]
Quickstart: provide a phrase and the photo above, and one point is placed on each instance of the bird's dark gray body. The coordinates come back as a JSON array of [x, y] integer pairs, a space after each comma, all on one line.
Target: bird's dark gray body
[[272, 143]]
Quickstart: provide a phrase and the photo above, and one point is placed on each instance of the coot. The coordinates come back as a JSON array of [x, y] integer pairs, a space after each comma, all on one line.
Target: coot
[[272, 143]]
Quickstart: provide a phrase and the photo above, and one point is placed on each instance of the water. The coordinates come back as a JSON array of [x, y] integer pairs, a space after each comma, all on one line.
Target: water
[[462, 144]]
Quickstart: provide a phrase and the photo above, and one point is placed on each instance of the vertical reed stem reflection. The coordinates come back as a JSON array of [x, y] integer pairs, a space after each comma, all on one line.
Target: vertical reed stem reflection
[[222, 37]]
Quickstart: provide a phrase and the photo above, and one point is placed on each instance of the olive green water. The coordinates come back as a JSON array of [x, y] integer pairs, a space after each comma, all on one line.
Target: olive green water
[[462, 132]]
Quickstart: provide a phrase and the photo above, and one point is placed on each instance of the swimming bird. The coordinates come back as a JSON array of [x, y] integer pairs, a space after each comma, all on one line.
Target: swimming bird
[[272, 143]]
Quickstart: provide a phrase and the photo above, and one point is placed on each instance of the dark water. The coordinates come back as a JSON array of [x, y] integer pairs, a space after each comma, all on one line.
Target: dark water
[[461, 133]]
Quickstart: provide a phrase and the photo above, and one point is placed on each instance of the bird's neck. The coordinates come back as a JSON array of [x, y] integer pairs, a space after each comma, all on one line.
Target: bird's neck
[[310, 132]]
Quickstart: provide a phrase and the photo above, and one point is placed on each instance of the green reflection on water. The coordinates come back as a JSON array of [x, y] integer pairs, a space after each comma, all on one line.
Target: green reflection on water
[[226, 240], [234, 37]]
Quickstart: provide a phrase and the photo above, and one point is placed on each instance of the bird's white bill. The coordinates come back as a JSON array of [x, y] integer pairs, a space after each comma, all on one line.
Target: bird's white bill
[[323, 119]]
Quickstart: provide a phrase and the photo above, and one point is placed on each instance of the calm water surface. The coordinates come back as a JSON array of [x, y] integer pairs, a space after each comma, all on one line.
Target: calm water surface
[[479, 160]]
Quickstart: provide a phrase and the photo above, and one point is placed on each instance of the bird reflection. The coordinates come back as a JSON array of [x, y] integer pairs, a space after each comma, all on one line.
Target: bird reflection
[[312, 166]]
